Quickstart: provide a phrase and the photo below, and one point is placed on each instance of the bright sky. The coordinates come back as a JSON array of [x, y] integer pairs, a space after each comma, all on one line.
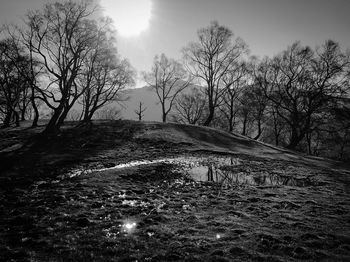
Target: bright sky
[[268, 26]]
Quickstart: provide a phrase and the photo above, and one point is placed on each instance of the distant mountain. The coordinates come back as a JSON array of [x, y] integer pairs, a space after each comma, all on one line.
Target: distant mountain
[[127, 108], [132, 97], [149, 100]]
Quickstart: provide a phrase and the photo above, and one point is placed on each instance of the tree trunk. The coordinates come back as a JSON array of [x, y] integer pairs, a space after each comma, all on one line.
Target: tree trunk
[[86, 112], [276, 133], [276, 139], [36, 114], [24, 107], [232, 116], [164, 115], [308, 139], [210, 116], [244, 130], [231, 122], [90, 114], [17, 117], [295, 139], [34, 106], [7, 119], [259, 130], [62, 117], [23, 115], [52, 127], [86, 117], [230, 129]]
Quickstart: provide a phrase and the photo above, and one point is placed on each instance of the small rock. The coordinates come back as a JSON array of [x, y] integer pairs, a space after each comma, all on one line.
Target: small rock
[[236, 251], [83, 222], [253, 199], [269, 195], [301, 253], [96, 205], [23, 221], [218, 259], [108, 165], [218, 253]]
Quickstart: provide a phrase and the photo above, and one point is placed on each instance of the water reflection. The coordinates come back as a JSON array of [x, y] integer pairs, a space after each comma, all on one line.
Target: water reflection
[[186, 162], [212, 173], [226, 170]]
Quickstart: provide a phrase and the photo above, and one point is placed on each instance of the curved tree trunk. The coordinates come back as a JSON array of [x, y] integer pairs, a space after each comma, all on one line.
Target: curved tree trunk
[[52, 127], [36, 111]]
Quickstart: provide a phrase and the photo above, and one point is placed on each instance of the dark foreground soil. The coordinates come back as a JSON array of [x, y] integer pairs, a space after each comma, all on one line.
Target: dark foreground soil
[[158, 212]]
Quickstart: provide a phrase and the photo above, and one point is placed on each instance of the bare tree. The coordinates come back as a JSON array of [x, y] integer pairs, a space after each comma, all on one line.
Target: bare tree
[[300, 83], [61, 36], [245, 113], [277, 123], [258, 104], [211, 58], [22, 42], [108, 113], [190, 107], [167, 78], [104, 74], [14, 88], [140, 111], [234, 81]]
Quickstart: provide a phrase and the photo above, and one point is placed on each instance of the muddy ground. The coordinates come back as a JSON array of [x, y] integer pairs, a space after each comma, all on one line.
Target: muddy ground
[[69, 199]]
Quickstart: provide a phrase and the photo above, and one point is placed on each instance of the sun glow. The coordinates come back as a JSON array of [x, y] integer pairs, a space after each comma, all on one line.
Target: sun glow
[[131, 17]]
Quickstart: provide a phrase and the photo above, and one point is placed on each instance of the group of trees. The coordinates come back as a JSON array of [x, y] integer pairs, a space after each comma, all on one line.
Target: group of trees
[[17, 81], [66, 55], [168, 79], [303, 86], [63, 56], [298, 99]]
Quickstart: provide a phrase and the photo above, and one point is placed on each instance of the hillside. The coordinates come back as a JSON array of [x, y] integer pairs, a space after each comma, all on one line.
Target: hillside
[[148, 191]]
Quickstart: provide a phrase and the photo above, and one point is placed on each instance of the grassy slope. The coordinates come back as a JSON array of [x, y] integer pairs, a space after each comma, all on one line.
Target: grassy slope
[[51, 216], [214, 140]]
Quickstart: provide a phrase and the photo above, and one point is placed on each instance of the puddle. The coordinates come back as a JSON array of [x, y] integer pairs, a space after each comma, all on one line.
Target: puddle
[[211, 173], [215, 169], [79, 172], [182, 161]]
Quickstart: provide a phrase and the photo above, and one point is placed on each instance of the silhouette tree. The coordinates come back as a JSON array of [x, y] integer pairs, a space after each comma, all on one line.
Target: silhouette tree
[[190, 107], [167, 78], [140, 111], [22, 42], [235, 81], [14, 87], [301, 83], [62, 36], [104, 75], [211, 58]]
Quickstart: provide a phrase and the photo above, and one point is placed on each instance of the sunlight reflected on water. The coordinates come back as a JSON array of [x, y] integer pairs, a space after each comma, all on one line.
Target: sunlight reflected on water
[[129, 227], [224, 170]]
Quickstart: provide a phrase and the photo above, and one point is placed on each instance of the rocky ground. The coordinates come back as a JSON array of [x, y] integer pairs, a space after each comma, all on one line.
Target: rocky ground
[[209, 196]]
